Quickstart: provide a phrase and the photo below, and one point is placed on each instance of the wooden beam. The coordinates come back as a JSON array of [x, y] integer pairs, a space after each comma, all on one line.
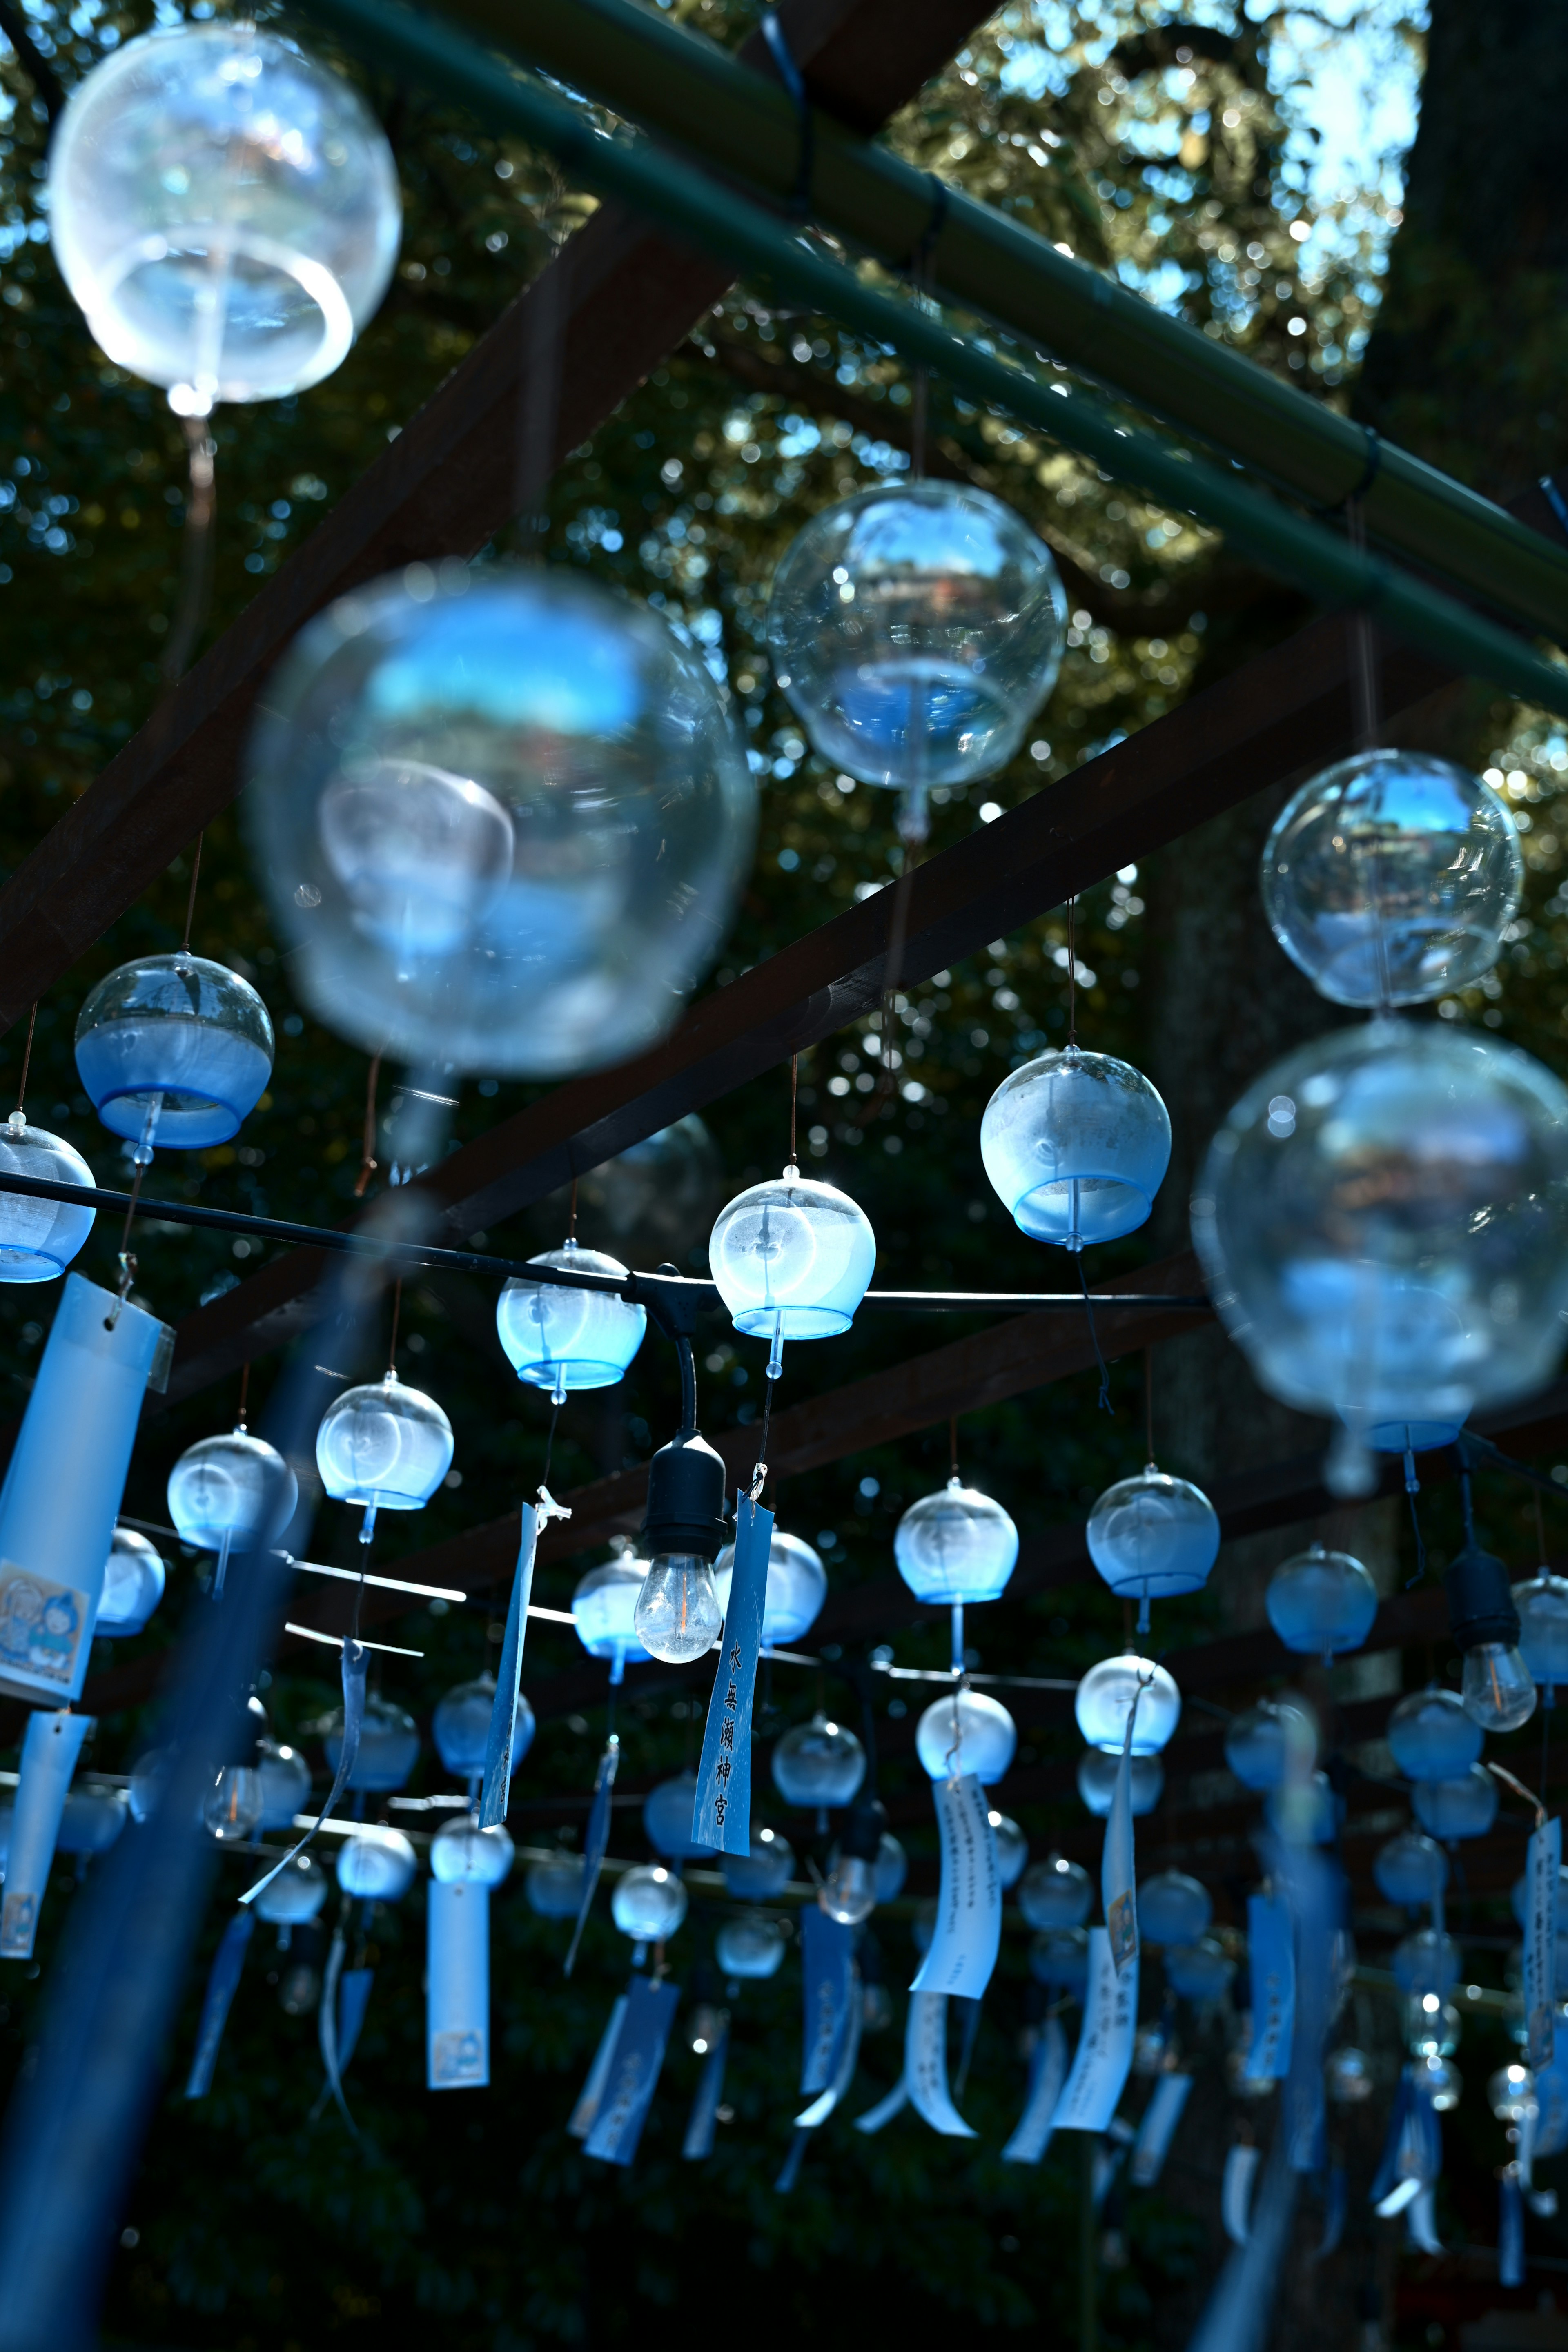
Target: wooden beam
[[617, 299]]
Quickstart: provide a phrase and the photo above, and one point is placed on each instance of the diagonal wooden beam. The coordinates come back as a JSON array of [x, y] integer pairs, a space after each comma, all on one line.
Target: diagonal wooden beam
[[617, 299]]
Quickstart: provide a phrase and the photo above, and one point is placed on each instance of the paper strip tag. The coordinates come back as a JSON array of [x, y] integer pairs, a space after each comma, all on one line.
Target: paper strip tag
[[721, 1809], [925, 2065], [968, 1934], [1542, 1868], [1047, 2073], [634, 2071], [497, 1794], [581, 2122], [1273, 1964], [353, 2000], [1236, 2191], [222, 1984], [1104, 2052], [1510, 2227], [596, 1841], [1421, 2222], [50, 1746], [827, 1951], [896, 2100], [1552, 2097], [812, 2118], [704, 2115], [1158, 2130], [1117, 1884], [327, 2027]]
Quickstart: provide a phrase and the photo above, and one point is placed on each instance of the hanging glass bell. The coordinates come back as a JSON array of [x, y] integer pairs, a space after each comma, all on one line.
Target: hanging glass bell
[[285, 1779], [1058, 1959], [818, 1764], [1097, 1771], [1173, 1908], [666, 1818], [383, 1445], [1056, 1893], [604, 1611], [1011, 1850], [1105, 1699], [955, 1545], [133, 1580], [1391, 878], [892, 1868], [463, 1854], [39, 1238], [1075, 1146], [554, 1887], [1154, 1537], [748, 1948], [460, 1727], [764, 1873], [1200, 1972], [968, 1732], [376, 1865], [916, 628], [1431, 1736], [225, 211], [1321, 1603], [1382, 1221], [1263, 1742], [648, 1904], [231, 1489], [796, 1588], [388, 1746], [174, 1052], [295, 1896], [500, 816], [1542, 1606], [1411, 1869], [1426, 1962], [564, 1340], [1463, 1807], [1304, 1811], [92, 1818], [791, 1260]]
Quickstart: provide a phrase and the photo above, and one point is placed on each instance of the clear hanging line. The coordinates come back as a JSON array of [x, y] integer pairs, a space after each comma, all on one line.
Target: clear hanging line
[[793, 1109], [396, 1314], [190, 894], [20, 1112], [368, 1162], [195, 598], [1103, 1403], [1072, 970], [1149, 1406]]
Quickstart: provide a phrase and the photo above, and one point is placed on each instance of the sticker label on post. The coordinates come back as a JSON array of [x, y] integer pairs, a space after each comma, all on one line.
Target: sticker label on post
[[722, 1809]]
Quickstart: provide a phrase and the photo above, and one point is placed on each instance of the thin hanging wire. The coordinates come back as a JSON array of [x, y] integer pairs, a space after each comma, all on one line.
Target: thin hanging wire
[[396, 1312], [572, 1218], [368, 1164], [550, 1444], [793, 1109], [1072, 970], [1149, 1406], [19, 1116], [196, 551], [953, 1444], [244, 1395], [191, 895], [539, 390]]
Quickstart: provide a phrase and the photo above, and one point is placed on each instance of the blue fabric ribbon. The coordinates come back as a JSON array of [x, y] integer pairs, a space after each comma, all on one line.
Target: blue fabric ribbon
[[223, 1981]]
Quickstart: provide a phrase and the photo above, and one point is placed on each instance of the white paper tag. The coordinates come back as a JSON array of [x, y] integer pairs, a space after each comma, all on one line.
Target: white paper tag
[[925, 2065], [1104, 2054], [1158, 2130], [1117, 1887], [968, 1936], [1032, 2134]]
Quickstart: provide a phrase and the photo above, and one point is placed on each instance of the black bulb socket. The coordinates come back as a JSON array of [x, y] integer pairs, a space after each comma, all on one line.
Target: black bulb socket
[[864, 1831], [1481, 1599], [685, 1501]]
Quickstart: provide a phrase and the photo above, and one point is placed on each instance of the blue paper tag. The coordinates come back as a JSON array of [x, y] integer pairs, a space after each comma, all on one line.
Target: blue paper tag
[[925, 2065], [1158, 2128], [596, 1842], [634, 2071], [1104, 2052], [1510, 2229], [1542, 1871], [699, 2140], [497, 1794], [353, 2000], [828, 1951], [1273, 1964], [592, 2090], [223, 1981], [1047, 2073], [722, 1809]]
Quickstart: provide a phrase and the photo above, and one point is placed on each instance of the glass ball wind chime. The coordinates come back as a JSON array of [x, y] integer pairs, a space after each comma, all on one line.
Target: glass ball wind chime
[[1153, 1537]]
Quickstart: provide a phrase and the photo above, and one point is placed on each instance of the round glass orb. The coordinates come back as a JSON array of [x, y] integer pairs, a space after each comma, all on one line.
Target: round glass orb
[[285, 1779], [91, 1819], [1075, 1146], [232, 1807], [1431, 1738], [848, 1893], [603, 1610], [226, 212], [1321, 1603], [133, 1580], [1011, 1850], [666, 1818], [1519, 1897], [765, 1872], [1440, 2081], [955, 1545], [916, 629], [1304, 1811], [296, 1895], [1058, 1959], [793, 1259], [678, 1617], [819, 1765], [1349, 2077], [970, 1732], [1154, 1537], [38, 1239], [1410, 1869], [1173, 1908], [564, 1340], [460, 1727], [648, 1904], [1391, 878], [651, 1203], [500, 816], [750, 1948], [797, 1587], [1432, 2027], [230, 1489], [892, 1868], [463, 1854], [1056, 1893], [173, 1050], [1464, 1807], [1097, 1773], [554, 1887], [1105, 1699], [1382, 1221], [1511, 2094], [388, 1746], [1199, 1971], [1426, 1962], [376, 1865], [1262, 1743], [384, 1444], [1542, 1606]]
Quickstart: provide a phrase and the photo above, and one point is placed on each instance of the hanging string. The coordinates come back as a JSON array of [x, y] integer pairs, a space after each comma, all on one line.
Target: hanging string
[[1072, 970], [953, 1444], [126, 1259], [922, 275], [19, 1116], [572, 1218], [1364, 640], [760, 1474], [196, 551], [1103, 1401], [794, 1108], [397, 1312], [367, 1160], [550, 1445], [1149, 1406], [244, 1395], [892, 969], [1420, 1546], [539, 391], [191, 895]]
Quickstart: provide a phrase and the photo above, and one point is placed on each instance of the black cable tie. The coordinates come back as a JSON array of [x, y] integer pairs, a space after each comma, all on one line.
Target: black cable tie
[[793, 81]]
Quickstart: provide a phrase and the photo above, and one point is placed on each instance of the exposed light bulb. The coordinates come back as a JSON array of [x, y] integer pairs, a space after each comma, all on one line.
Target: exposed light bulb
[[677, 1616], [1496, 1689], [233, 1807], [848, 1894]]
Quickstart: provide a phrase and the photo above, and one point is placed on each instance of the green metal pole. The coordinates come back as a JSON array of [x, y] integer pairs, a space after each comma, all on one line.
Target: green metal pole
[[682, 85], [1318, 561]]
